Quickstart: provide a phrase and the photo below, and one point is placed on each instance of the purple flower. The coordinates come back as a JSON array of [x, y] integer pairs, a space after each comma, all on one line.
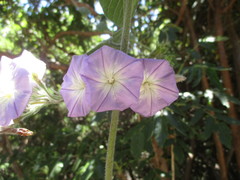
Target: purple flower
[[31, 64], [74, 91], [15, 91], [114, 79], [158, 88]]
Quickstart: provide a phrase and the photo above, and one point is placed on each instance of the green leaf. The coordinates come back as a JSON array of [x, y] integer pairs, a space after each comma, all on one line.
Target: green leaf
[[178, 124], [221, 38], [214, 79], [195, 75], [179, 153], [113, 10], [148, 130], [227, 119], [225, 135], [137, 144], [76, 164], [226, 97], [161, 131], [197, 116], [210, 108], [233, 99], [222, 98], [209, 128], [56, 169]]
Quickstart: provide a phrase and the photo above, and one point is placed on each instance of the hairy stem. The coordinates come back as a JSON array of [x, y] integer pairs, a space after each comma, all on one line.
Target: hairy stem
[[111, 145], [127, 14]]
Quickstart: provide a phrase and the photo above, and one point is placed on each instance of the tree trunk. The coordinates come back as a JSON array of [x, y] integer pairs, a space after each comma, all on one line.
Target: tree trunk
[[219, 147], [227, 79], [234, 39]]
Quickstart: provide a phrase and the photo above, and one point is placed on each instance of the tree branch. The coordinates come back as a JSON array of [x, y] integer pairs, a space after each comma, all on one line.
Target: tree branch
[[55, 66], [78, 4], [229, 6], [181, 13], [211, 4], [79, 33]]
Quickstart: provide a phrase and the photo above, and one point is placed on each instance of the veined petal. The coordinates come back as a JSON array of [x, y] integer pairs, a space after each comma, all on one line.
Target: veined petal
[[15, 91], [74, 91], [158, 89], [114, 79]]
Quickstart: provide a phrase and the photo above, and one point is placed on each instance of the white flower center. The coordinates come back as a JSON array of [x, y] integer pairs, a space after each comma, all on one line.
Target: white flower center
[[147, 85], [7, 93], [82, 85]]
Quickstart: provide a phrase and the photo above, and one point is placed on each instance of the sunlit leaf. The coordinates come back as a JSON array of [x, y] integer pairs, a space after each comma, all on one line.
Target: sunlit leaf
[[113, 9]]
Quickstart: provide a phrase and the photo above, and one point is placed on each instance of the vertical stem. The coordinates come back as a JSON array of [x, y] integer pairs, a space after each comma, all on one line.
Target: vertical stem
[[111, 145], [127, 17], [172, 162], [127, 14]]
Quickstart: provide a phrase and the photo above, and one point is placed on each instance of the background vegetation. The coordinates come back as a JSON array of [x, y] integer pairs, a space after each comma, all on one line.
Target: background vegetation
[[198, 137]]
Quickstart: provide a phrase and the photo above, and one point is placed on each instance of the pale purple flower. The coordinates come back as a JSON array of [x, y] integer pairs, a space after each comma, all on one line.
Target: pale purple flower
[[158, 88], [15, 91], [74, 91], [114, 79], [30, 63]]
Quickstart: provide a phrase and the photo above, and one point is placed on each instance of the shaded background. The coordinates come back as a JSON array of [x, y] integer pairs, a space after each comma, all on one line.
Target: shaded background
[[199, 132]]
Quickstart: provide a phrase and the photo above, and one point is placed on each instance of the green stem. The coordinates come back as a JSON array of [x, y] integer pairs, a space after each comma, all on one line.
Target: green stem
[[111, 145], [127, 18], [127, 14]]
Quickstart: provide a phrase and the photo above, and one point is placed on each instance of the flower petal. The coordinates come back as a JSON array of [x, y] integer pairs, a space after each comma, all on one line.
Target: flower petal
[[29, 62], [159, 87], [114, 79], [15, 91], [74, 91]]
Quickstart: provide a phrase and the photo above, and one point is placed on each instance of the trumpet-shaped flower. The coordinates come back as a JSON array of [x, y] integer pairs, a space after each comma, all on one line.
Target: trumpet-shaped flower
[[30, 63], [114, 79], [158, 88], [15, 91], [74, 91]]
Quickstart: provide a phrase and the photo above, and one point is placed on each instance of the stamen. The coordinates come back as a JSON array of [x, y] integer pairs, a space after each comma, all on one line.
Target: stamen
[[111, 80]]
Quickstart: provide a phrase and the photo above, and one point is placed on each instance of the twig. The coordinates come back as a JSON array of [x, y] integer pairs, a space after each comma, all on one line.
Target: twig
[[229, 6], [172, 162], [211, 4], [181, 13]]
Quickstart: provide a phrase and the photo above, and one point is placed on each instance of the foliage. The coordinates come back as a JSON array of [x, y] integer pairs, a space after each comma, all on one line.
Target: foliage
[[75, 148]]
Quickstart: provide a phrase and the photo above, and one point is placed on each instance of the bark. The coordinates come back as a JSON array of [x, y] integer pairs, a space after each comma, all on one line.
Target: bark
[[219, 147], [181, 13], [187, 174], [234, 39], [220, 156], [227, 79], [158, 161]]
